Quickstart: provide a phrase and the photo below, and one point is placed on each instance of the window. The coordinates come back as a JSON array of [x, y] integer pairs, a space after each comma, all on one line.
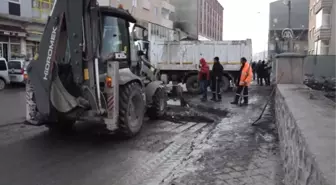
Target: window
[[115, 38], [14, 1], [41, 8], [134, 3], [14, 7], [156, 10], [3, 66], [14, 64], [15, 50]]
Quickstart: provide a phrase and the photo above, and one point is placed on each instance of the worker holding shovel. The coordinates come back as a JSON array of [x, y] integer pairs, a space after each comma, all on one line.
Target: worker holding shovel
[[244, 81], [217, 72], [204, 77]]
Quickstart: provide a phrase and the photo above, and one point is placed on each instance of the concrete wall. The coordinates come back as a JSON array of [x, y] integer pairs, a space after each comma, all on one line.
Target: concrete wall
[[320, 66], [25, 5], [306, 126]]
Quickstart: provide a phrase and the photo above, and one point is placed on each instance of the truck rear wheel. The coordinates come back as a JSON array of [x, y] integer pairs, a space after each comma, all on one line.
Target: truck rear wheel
[[159, 104], [131, 109], [192, 84], [225, 84]]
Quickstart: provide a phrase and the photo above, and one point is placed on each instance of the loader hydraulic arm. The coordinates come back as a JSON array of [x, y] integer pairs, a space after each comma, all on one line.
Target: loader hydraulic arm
[[66, 74], [71, 24]]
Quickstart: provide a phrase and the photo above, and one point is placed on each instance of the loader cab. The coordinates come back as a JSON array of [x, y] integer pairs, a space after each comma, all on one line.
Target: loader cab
[[140, 35], [115, 33]]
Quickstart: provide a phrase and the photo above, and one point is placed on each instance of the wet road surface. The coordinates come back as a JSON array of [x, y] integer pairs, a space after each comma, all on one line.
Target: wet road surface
[[220, 150]]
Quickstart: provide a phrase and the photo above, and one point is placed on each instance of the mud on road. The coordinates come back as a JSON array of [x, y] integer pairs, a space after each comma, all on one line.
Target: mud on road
[[204, 143]]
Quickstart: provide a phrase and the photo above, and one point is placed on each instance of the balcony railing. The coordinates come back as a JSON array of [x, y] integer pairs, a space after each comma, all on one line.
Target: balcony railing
[[167, 23], [323, 4], [322, 33], [41, 9]]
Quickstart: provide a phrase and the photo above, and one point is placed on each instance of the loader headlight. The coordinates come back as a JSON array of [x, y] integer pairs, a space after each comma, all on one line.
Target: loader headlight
[[108, 81]]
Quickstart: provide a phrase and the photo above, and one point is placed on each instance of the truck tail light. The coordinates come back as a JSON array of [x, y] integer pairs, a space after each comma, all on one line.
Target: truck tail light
[[22, 71], [108, 81]]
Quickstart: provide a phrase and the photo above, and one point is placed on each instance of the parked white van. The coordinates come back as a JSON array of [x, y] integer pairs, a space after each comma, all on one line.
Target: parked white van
[[4, 76], [16, 71]]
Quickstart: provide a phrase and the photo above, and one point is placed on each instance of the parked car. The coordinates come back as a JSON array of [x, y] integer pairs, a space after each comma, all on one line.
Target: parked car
[[16, 71], [4, 76]]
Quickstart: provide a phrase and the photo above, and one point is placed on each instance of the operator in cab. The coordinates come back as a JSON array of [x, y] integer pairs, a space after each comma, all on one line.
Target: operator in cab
[[246, 75], [204, 77]]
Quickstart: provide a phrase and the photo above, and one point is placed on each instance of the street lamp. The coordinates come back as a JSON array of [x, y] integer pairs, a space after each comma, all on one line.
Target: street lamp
[[290, 40]]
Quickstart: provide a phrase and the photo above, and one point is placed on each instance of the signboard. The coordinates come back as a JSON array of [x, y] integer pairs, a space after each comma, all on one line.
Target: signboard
[[287, 33]]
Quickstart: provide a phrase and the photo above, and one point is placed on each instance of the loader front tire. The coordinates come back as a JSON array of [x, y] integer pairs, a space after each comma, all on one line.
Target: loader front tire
[[159, 104], [131, 109]]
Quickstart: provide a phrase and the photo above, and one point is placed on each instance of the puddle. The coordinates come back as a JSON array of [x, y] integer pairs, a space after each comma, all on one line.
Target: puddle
[[178, 114], [192, 112]]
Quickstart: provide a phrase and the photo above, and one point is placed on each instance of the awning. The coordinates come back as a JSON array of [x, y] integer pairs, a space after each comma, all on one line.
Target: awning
[[12, 31]]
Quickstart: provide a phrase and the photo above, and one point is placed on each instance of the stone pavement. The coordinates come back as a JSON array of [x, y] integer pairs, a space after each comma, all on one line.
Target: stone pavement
[[235, 153]]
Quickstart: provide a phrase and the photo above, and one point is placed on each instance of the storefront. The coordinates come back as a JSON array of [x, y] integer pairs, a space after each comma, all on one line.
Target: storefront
[[11, 40], [32, 43]]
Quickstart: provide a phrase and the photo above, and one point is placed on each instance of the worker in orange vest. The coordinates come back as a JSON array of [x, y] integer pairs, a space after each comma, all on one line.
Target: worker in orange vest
[[246, 76]]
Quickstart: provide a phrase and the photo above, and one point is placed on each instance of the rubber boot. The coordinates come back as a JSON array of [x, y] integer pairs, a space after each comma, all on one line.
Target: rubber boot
[[213, 97], [245, 101], [219, 98], [235, 101]]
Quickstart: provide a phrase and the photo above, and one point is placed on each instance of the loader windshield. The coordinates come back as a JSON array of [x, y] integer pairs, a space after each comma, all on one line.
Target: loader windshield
[[115, 35]]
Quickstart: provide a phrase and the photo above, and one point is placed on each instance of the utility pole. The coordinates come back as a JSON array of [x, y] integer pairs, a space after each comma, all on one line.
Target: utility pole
[[290, 40]]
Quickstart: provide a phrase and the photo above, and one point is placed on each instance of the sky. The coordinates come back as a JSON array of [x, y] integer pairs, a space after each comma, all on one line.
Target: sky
[[247, 19]]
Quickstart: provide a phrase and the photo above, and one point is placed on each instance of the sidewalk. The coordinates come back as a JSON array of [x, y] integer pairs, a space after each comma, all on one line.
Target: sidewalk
[[235, 153]]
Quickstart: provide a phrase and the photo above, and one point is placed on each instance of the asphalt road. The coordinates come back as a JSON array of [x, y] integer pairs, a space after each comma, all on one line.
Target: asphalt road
[[182, 149]]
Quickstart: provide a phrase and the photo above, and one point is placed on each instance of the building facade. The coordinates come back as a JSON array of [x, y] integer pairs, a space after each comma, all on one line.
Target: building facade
[[155, 15], [278, 21], [322, 22], [202, 19], [21, 26]]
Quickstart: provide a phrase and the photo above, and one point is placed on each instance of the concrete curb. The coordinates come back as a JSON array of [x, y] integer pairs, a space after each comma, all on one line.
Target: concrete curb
[[306, 127]]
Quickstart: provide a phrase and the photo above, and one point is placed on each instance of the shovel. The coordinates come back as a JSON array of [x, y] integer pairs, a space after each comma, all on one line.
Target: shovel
[[268, 101]]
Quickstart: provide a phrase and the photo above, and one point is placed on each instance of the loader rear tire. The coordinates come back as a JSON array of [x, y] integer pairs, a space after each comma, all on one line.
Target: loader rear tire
[[131, 109], [192, 84], [159, 104]]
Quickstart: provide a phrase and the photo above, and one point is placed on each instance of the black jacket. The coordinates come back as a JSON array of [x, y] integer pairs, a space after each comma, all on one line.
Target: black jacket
[[217, 70]]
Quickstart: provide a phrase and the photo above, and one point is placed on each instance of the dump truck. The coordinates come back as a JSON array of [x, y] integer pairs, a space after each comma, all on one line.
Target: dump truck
[[179, 60]]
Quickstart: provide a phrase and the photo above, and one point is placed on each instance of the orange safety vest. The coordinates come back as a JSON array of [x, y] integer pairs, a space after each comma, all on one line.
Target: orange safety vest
[[246, 75]]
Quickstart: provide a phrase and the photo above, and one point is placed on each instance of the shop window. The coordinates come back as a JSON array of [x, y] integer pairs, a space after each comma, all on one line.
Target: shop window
[[15, 50], [3, 38]]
